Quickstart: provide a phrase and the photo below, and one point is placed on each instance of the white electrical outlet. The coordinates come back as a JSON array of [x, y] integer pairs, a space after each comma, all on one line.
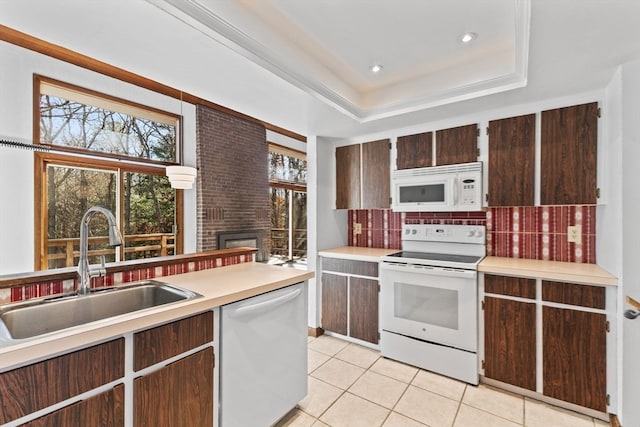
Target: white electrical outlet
[[357, 228], [574, 234]]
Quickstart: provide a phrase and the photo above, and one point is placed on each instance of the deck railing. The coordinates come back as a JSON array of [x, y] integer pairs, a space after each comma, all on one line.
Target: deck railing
[[280, 242], [65, 252]]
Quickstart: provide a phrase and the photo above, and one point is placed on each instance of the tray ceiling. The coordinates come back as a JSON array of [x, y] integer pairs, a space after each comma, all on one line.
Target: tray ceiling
[[327, 47]]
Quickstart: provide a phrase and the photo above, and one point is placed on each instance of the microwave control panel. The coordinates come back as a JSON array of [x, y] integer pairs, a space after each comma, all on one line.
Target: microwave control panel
[[470, 191]]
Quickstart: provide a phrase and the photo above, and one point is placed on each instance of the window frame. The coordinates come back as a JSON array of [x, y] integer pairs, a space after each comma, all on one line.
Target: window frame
[[290, 187], [43, 159], [103, 98], [78, 157]]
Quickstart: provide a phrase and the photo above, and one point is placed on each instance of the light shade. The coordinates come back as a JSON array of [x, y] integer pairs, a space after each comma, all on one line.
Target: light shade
[[181, 177]]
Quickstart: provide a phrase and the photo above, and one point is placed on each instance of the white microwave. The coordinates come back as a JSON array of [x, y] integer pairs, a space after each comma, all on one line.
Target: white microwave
[[437, 189]]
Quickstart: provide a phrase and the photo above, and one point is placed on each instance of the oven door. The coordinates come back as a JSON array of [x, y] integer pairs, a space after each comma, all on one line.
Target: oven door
[[430, 303]]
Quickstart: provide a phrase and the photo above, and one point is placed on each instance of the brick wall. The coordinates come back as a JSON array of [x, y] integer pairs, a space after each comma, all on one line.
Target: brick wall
[[233, 186]]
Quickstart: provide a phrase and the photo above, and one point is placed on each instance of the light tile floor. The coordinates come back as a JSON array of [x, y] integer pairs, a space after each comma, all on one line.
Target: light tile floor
[[352, 386]]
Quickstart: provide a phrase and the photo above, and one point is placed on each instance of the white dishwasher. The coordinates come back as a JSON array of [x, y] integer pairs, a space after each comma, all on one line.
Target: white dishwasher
[[263, 357]]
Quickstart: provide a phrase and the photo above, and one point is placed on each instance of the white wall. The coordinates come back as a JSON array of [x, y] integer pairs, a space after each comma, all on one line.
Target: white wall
[[630, 90], [326, 226], [16, 166]]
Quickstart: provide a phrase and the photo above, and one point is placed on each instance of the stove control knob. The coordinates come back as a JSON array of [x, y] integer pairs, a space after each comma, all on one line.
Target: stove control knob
[[479, 233], [471, 233], [407, 231], [414, 231]]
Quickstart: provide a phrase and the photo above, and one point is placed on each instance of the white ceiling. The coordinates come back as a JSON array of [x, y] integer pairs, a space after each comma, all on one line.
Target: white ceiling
[[303, 65], [326, 47]]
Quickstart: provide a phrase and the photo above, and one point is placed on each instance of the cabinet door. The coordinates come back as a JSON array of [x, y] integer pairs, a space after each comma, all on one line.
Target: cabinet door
[[457, 145], [575, 357], [180, 394], [34, 387], [348, 177], [414, 151], [363, 309], [334, 303], [376, 186], [162, 342], [569, 138], [512, 161], [105, 410], [510, 342]]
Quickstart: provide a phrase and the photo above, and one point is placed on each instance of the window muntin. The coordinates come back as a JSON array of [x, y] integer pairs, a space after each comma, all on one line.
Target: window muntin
[[79, 119]]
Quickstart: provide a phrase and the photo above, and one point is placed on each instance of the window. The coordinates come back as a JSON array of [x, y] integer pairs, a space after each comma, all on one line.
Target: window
[[110, 153], [288, 196]]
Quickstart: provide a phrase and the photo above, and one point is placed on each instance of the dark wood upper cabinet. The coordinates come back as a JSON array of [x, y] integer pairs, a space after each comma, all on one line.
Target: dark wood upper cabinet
[[512, 161], [414, 151], [568, 155], [376, 172], [370, 159], [348, 177], [457, 145]]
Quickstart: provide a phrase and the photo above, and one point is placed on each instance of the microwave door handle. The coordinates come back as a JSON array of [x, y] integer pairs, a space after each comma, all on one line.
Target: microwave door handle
[[455, 191]]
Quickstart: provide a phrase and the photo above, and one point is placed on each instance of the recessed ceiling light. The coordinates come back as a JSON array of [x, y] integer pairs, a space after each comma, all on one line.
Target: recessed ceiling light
[[467, 37], [375, 68]]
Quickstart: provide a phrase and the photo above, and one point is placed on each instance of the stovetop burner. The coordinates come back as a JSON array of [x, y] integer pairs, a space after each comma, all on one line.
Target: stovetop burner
[[441, 245], [430, 256]]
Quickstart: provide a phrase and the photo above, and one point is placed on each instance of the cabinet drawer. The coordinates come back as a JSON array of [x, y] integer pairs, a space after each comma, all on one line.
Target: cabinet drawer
[[361, 268], [105, 409], [160, 343], [34, 387], [511, 286], [569, 293]]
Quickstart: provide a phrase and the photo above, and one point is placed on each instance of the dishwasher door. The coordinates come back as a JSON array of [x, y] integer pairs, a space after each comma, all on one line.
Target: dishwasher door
[[263, 357]]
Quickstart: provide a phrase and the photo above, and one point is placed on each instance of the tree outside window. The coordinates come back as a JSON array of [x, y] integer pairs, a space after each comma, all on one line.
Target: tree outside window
[[288, 196], [109, 153]]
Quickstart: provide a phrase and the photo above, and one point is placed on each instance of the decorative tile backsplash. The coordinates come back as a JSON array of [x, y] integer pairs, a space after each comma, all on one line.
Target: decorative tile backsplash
[[531, 232], [540, 232], [38, 290]]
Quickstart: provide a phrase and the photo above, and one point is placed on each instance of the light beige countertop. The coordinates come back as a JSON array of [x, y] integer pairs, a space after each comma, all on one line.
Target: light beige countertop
[[218, 286], [588, 274], [357, 254]]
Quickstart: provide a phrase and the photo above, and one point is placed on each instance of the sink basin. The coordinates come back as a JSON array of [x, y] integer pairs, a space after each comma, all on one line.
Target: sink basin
[[34, 318]]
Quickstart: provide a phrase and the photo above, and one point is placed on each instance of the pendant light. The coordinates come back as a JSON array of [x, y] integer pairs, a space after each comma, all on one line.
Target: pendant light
[[181, 177]]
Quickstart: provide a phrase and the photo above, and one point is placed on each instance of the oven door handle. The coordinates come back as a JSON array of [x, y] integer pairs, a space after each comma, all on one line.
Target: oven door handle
[[428, 270]]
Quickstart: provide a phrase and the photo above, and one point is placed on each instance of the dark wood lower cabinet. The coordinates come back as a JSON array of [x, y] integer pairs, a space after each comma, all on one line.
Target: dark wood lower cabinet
[[363, 309], [178, 395], [104, 410], [510, 342], [31, 388], [575, 357], [334, 303], [349, 301]]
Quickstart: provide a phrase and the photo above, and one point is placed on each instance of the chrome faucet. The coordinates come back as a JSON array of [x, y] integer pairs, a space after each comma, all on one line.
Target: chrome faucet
[[115, 239]]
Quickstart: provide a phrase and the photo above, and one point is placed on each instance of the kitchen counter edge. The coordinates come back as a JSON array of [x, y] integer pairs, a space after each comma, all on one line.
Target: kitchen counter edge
[[232, 283], [571, 272], [354, 253]]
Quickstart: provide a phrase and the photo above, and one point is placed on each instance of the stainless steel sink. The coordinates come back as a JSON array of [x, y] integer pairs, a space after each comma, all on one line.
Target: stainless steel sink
[[31, 319]]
